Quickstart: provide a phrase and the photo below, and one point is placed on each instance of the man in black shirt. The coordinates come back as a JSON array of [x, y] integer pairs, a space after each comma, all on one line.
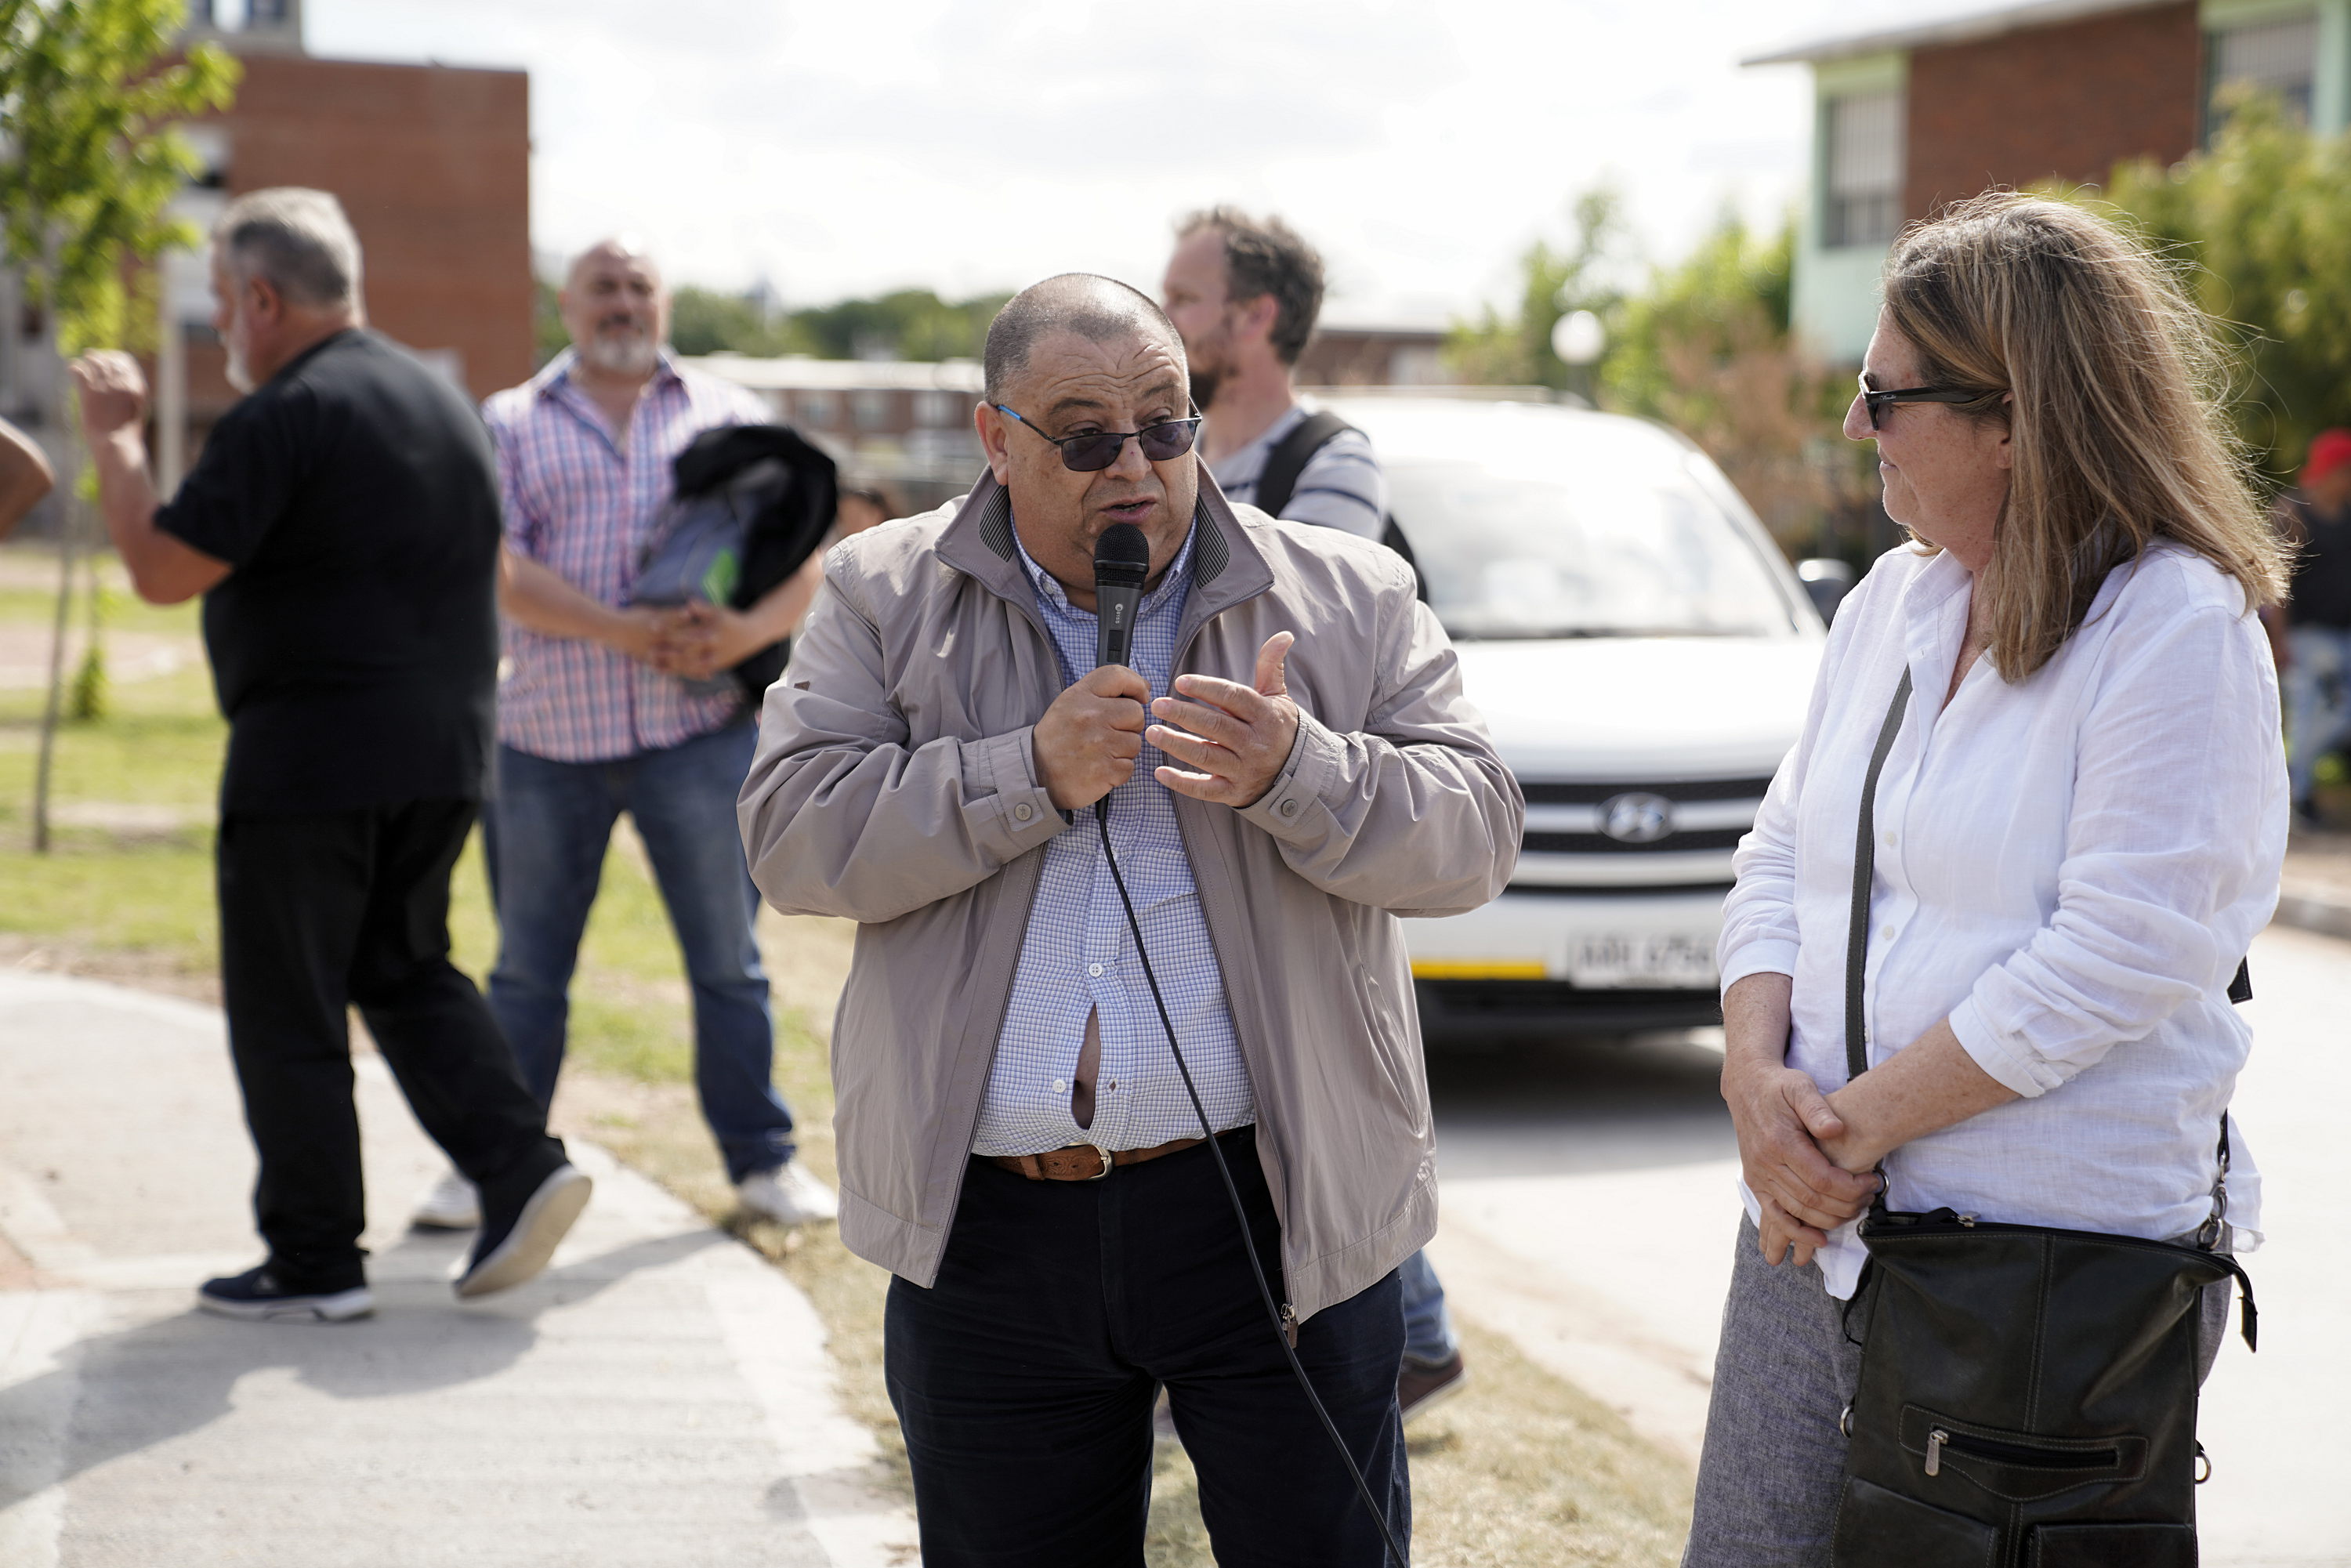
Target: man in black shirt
[[343, 527], [2316, 518]]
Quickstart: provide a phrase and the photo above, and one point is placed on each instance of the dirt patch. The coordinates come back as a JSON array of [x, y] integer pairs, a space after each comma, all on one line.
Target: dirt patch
[[139, 970]]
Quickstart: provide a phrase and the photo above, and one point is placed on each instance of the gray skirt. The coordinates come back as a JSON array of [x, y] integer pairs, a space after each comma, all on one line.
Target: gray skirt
[[1773, 1465]]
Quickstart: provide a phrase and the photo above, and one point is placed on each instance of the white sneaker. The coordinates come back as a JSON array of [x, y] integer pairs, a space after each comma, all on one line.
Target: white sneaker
[[452, 1205], [787, 1195]]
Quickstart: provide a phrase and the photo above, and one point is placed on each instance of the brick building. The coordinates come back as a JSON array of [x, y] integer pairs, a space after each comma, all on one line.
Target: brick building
[[432, 162], [1907, 120]]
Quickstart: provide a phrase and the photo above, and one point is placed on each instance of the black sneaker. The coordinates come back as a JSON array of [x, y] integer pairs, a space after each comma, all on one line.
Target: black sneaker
[[1422, 1386], [257, 1296], [516, 1240]]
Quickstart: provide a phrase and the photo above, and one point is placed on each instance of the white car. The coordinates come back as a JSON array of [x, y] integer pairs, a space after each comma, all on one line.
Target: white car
[[1644, 654]]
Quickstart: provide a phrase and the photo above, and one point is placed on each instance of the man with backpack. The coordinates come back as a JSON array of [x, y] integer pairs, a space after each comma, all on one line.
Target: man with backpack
[[1244, 293], [609, 704]]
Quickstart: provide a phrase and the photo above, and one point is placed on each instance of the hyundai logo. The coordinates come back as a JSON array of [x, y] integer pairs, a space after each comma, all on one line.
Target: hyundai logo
[[1637, 819]]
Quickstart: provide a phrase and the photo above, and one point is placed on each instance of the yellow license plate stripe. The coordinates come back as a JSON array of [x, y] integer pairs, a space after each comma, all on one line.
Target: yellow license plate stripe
[[1477, 969]]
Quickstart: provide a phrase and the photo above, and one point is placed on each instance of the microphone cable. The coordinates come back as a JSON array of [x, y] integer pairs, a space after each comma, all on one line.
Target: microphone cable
[[1281, 1330]]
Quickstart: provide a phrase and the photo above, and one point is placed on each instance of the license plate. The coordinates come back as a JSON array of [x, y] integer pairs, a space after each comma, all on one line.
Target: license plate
[[1668, 963]]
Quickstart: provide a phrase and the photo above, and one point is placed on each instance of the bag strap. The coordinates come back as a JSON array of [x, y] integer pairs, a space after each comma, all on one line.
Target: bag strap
[[1864, 868], [1278, 479]]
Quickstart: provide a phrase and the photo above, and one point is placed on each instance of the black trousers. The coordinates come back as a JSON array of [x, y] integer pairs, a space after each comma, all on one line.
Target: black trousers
[[319, 913], [1024, 1378]]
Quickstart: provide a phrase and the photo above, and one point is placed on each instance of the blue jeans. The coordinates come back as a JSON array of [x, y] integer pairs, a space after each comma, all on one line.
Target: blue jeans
[[1428, 1336], [546, 831], [2318, 699]]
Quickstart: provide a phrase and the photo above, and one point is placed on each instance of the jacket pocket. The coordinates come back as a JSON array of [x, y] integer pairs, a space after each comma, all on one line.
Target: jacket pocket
[[2112, 1546], [1875, 1527], [2017, 1467], [1387, 1045]]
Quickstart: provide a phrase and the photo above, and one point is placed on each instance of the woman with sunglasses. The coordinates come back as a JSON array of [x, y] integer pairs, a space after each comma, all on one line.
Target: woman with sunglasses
[[2078, 825]]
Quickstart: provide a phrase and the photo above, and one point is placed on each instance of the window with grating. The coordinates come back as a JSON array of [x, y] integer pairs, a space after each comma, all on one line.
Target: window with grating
[[2280, 57], [1864, 169]]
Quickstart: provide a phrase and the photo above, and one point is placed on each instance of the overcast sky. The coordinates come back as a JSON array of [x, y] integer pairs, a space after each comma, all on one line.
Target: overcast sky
[[858, 145]]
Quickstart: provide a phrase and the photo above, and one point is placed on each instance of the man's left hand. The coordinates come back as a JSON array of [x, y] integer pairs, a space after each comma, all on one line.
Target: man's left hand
[[1238, 737], [700, 640], [113, 392]]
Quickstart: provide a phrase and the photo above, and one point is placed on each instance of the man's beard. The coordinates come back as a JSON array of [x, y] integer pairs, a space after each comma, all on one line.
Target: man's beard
[[1205, 381], [629, 353]]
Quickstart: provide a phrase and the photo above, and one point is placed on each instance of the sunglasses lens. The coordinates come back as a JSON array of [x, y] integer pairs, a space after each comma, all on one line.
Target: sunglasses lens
[[1162, 442], [1086, 453]]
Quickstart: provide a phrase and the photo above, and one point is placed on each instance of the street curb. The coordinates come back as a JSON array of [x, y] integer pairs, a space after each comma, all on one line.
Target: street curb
[[2313, 914]]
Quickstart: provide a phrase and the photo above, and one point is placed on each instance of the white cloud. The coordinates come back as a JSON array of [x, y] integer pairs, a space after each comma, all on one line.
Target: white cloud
[[968, 144]]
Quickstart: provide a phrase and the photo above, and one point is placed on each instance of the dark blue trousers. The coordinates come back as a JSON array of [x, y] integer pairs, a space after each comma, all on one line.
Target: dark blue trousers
[[1024, 1376]]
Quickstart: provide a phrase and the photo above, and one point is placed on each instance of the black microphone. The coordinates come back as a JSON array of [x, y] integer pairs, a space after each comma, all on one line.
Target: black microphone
[[1122, 562]]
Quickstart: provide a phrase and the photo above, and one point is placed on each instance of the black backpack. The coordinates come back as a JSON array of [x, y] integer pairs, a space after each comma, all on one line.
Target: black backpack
[[1289, 459]]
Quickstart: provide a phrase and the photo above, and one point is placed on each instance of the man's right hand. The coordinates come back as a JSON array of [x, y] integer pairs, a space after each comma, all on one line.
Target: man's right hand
[[1086, 743], [1778, 1113], [639, 632]]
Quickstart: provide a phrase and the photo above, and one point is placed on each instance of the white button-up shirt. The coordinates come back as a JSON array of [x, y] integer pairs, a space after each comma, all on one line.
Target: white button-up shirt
[[2069, 868], [1078, 956]]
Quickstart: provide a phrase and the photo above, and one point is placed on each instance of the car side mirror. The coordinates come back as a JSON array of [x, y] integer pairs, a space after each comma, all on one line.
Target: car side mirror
[[1826, 582]]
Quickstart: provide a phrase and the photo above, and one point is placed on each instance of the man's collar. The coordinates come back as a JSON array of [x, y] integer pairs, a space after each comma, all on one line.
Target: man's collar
[[1049, 588], [1227, 567], [558, 372]]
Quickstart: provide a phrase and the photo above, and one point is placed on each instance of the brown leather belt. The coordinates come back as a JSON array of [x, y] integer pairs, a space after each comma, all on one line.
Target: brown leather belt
[[1083, 1162]]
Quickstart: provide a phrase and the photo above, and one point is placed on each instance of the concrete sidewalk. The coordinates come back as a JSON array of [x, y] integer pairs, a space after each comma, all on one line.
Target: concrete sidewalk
[[659, 1397]]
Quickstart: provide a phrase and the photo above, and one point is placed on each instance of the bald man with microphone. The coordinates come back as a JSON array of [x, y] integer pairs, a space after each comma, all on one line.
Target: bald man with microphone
[[1010, 748]]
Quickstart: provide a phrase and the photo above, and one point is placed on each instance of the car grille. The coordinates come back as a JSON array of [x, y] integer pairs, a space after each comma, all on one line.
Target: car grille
[[1602, 844], [1701, 803], [1681, 792]]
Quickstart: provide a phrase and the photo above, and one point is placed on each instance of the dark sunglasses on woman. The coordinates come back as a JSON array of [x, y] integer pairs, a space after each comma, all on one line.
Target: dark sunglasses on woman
[[1098, 449], [1877, 402]]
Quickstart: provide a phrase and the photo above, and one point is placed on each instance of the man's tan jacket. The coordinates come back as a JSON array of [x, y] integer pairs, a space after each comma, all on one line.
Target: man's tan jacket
[[894, 787]]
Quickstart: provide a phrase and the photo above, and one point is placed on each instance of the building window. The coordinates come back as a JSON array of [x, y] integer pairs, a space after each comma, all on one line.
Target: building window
[[1864, 168], [936, 410], [870, 408], [815, 408], [2278, 57]]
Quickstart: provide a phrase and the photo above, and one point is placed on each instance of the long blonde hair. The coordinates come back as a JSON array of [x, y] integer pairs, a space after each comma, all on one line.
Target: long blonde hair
[[2109, 381]]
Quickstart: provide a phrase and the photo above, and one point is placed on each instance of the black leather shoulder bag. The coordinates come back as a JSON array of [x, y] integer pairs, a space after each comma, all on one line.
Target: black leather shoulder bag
[[2028, 1394]]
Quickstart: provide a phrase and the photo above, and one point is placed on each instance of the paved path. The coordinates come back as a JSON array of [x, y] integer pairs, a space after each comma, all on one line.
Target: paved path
[[660, 1396], [1589, 1211]]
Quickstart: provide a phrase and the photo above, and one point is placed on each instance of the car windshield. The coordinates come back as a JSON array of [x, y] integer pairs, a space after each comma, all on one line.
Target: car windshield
[[1595, 555]]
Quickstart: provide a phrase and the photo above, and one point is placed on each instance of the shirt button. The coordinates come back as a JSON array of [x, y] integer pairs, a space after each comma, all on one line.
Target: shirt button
[[1889, 838], [1095, 969], [1023, 811], [1290, 808], [1061, 1086]]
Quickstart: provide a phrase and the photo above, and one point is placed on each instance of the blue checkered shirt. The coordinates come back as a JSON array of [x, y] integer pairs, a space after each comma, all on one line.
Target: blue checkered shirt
[[1078, 956]]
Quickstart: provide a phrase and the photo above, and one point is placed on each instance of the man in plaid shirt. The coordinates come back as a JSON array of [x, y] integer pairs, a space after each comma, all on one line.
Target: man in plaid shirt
[[609, 706]]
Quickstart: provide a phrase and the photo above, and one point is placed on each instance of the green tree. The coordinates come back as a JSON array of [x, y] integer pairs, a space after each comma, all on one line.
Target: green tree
[[2262, 223], [705, 321], [89, 162], [1707, 349], [907, 324], [1515, 349]]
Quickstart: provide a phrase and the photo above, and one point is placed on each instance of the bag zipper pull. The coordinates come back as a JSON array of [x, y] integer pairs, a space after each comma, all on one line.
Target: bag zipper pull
[[1935, 1441], [1289, 1324], [1968, 1220]]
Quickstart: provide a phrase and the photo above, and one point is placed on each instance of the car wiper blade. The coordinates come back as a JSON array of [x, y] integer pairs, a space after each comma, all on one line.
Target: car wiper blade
[[1563, 633]]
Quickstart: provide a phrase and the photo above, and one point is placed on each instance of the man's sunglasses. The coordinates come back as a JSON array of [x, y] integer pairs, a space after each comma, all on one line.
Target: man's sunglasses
[[1877, 402], [1098, 449]]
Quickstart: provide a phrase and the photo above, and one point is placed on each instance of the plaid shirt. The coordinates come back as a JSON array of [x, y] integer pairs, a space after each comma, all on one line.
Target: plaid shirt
[[583, 507], [1078, 956]]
